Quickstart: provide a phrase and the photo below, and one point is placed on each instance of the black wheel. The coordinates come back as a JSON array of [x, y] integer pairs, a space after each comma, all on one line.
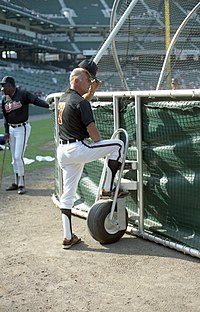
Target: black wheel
[[100, 226]]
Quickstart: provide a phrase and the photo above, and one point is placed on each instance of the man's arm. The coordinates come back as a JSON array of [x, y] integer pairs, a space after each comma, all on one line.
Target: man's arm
[[33, 99], [93, 132], [41, 103], [6, 126]]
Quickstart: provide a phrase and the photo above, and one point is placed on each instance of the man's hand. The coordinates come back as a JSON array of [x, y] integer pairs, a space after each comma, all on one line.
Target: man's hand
[[95, 84], [51, 103], [6, 137]]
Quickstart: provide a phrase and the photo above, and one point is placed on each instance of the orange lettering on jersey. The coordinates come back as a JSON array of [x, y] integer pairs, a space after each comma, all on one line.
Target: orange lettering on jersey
[[61, 107]]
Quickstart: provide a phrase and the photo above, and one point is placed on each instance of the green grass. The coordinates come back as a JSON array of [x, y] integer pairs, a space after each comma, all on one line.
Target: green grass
[[40, 143]]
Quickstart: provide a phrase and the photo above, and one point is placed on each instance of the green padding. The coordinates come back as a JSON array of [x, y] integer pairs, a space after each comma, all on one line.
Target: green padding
[[89, 182], [127, 121], [171, 161], [104, 120], [166, 124]]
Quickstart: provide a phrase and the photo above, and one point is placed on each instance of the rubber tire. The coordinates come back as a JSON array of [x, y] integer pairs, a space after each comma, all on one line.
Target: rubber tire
[[96, 223]]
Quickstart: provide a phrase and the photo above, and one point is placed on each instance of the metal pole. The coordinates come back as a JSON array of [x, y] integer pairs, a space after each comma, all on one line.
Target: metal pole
[[114, 32], [138, 122], [3, 162], [166, 242], [167, 40], [116, 112]]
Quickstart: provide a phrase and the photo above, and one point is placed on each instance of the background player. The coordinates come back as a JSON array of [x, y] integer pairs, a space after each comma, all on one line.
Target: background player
[[76, 124], [175, 84], [15, 106]]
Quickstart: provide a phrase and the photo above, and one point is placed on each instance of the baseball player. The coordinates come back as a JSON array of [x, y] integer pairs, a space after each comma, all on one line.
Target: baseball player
[[15, 107], [76, 125], [175, 84]]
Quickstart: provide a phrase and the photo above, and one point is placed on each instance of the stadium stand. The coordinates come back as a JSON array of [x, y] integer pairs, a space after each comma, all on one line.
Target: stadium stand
[[67, 12], [45, 46], [50, 37], [37, 80], [95, 10], [40, 7]]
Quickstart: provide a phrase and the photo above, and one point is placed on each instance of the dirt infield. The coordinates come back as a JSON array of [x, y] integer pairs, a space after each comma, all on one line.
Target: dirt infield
[[130, 275]]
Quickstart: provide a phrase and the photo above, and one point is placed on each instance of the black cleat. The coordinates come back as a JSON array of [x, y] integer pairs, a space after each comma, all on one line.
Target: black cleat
[[12, 187], [21, 190]]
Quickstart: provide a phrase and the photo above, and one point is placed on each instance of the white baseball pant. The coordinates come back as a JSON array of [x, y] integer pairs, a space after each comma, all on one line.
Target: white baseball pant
[[18, 141], [72, 157]]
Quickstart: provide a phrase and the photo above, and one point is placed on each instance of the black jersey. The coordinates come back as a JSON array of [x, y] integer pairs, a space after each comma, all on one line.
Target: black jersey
[[75, 114], [16, 108]]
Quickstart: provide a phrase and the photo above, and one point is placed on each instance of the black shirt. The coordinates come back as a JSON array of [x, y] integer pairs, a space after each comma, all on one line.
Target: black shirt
[[16, 108], [75, 114]]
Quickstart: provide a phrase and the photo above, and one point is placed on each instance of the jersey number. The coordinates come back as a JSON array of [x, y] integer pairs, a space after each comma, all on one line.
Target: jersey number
[[61, 107]]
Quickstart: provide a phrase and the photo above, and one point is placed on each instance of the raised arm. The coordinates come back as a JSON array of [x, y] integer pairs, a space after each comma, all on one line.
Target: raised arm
[[94, 86]]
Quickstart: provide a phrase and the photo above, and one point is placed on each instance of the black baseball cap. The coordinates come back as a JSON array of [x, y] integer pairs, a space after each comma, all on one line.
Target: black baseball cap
[[8, 79], [90, 66]]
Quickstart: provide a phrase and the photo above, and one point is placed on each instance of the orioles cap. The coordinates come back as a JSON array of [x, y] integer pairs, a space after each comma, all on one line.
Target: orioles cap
[[8, 79], [90, 66]]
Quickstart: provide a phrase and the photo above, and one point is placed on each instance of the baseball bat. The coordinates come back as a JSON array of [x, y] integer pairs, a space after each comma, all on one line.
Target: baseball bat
[[2, 165]]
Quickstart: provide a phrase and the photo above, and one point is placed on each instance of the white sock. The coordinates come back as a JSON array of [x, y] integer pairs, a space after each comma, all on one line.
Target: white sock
[[21, 181], [16, 178], [66, 227], [108, 180]]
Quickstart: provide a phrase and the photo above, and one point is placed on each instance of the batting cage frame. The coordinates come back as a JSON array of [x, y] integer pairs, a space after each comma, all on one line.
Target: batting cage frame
[[164, 142]]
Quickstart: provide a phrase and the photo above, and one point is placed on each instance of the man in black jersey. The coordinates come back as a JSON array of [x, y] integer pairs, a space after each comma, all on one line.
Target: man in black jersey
[[15, 107], [76, 125]]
